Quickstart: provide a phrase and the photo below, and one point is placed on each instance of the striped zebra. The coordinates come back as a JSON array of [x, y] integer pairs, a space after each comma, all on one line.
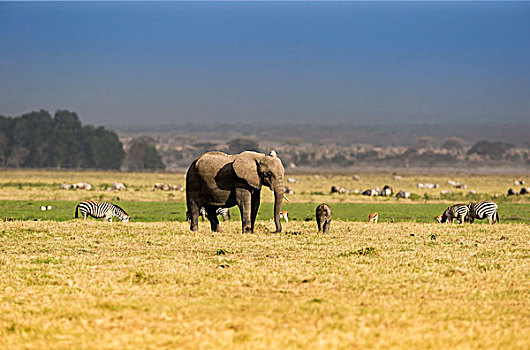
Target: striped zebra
[[224, 212], [483, 210], [457, 211], [104, 210]]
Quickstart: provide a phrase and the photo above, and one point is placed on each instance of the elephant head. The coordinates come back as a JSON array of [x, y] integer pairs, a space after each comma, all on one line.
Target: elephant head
[[258, 169]]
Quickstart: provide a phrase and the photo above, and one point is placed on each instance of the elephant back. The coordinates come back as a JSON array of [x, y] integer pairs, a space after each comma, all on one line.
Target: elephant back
[[215, 169]]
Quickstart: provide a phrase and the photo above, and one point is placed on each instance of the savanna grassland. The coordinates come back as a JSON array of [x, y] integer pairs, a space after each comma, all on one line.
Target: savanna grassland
[[403, 283]]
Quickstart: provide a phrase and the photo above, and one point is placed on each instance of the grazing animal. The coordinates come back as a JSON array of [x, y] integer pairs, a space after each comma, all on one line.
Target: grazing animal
[[370, 192], [104, 210], [457, 211], [387, 191], [118, 186], [372, 218], [525, 190], [288, 190], [483, 210], [323, 216], [224, 212], [403, 194], [512, 192], [283, 215]]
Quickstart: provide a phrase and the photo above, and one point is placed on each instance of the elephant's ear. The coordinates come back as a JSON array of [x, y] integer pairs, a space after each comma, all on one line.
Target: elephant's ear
[[246, 167]]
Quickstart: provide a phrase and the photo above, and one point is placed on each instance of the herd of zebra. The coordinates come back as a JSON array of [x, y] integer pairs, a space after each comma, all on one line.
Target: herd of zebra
[[461, 212], [470, 212]]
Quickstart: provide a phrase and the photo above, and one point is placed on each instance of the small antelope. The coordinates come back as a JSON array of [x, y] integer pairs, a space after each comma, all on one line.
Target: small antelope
[[372, 218], [283, 215]]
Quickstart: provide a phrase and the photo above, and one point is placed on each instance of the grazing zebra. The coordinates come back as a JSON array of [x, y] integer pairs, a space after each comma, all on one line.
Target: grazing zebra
[[482, 210], [372, 218], [457, 211], [224, 212], [283, 215], [104, 210]]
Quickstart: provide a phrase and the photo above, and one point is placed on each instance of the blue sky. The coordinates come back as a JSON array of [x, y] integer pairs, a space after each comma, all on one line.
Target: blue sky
[[361, 62]]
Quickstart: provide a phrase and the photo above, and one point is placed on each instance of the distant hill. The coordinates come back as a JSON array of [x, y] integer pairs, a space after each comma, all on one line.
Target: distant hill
[[342, 134]]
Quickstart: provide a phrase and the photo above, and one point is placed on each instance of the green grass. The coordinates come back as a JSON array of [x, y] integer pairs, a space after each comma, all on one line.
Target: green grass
[[175, 211]]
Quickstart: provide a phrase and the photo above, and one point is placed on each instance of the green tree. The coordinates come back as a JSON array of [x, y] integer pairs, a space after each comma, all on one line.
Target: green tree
[[242, 144], [37, 140], [494, 150], [103, 148], [67, 147], [143, 155]]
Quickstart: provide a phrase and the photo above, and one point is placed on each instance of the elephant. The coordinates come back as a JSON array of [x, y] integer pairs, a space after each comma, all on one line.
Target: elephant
[[323, 216], [217, 179]]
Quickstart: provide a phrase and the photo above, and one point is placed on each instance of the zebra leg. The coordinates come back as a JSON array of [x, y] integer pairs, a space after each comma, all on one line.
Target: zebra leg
[[490, 219], [212, 217]]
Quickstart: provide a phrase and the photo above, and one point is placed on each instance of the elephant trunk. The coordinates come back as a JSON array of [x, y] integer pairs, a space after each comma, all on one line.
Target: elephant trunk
[[278, 198]]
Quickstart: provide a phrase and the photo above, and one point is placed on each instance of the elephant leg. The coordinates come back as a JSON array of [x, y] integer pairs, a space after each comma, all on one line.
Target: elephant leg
[[212, 217], [254, 207], [193, 215], [243, 199]]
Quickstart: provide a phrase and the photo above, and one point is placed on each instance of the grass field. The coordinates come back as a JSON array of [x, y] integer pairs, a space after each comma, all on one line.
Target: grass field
[[41, 185], [156, 285], [404, 283], [176, 211]]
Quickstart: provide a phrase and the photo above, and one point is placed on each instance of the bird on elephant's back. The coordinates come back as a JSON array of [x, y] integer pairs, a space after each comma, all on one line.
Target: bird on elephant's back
[[217, 179]]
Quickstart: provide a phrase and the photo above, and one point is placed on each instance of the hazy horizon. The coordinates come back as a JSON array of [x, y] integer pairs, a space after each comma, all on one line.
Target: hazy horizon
[[300, 62]]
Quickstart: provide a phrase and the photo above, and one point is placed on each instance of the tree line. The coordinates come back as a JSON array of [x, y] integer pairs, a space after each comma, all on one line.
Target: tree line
[[40, 140]]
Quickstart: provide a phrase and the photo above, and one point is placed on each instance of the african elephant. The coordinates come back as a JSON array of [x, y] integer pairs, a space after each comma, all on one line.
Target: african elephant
[[217, 179]]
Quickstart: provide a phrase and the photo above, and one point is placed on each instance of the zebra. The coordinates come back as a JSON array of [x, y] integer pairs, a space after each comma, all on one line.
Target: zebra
[[224, 212], [104, 210], [457, 211], [372, 218], [482, 210]]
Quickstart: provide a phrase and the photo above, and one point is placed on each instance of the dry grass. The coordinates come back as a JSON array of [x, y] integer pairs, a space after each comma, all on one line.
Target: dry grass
[[41, 185], [68, 285]]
